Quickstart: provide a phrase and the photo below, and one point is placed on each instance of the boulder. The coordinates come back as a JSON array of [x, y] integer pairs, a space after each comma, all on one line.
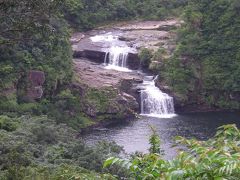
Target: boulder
[[35, 89], [130, 101], [123, 106], [93, 55], [133, 61], [130, 87], [36, 78]]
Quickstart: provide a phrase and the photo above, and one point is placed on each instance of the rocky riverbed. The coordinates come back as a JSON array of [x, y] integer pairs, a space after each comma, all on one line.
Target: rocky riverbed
[[107, 93]]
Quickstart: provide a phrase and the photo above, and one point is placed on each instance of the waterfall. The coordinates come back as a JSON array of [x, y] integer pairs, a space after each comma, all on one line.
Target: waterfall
[[116, 58], [116, 51], [154, 102]]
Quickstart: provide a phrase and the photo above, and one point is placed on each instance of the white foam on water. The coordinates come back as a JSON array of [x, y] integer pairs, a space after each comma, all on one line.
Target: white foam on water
[[104, 37], [163, 116], [116, 58], [154, 102], [117, 68], [117, 54]]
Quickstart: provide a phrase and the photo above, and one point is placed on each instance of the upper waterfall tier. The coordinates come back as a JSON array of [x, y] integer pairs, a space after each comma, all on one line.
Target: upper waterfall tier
[[116, 54], [116, 58]]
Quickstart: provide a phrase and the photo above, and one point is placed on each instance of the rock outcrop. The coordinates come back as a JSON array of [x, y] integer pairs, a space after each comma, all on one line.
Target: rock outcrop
[[94, 55], [133, 62], [36, 80], [30, 88], [106, 94], [149, 25]]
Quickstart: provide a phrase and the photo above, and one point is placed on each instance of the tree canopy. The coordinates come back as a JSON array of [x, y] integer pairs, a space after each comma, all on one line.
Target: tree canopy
[[207, 59]]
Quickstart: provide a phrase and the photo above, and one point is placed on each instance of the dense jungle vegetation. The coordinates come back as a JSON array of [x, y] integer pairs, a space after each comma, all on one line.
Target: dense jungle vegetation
[[206, 64], [37, 138], [34, 35]]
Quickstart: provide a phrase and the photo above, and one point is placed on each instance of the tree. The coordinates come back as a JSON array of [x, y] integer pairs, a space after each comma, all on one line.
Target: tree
[[208, 49]]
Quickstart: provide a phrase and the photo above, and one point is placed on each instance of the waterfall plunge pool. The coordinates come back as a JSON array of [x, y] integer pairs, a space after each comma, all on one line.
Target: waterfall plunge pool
[[158, 110], [134, 135]]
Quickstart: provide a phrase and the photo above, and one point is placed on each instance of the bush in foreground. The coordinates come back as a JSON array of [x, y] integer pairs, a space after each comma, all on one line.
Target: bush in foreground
[[218, 159]]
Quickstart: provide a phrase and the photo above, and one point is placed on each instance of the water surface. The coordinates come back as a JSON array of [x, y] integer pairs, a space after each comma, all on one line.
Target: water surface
[[134, 135]]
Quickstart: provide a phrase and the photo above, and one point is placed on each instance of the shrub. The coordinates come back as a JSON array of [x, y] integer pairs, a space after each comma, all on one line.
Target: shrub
[[8, 124], [145, 56], [40, 141], [217, 158]]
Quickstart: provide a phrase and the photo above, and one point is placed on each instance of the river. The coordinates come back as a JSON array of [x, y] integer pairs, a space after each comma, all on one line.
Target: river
[[159, 106], [134, 135]]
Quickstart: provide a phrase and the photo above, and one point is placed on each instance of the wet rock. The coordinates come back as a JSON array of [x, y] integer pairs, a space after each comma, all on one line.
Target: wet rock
[[130, 101], [90, 111], [108, 105], [124, 38], [133, 61], [130, 87], [94, 55]]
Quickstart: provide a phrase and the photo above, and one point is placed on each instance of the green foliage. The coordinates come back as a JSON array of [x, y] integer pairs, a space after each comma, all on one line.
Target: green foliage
[[86, 14], [34, 42], [154, 141], [158, 60], [207, 56], [145, 56], [63, 172], [217, 158], [39, 147], [100, 99], [8, 124], [66, 107], [177, 76], [34, 35], [70, 172]]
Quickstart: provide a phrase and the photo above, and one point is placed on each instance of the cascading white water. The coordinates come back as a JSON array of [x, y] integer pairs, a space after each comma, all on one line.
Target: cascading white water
[[106, 37], [154, 102], [116, 54], [117, 58]]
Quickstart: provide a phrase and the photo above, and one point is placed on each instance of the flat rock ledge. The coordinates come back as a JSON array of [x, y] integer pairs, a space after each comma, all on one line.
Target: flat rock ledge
[[107, 94]]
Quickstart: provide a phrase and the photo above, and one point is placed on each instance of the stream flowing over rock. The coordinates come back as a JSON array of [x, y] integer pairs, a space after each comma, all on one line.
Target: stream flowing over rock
[[107, 68], [154, 102]]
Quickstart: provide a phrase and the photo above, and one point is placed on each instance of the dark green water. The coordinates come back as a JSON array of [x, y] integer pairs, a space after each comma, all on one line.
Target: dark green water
[[133, 135]]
